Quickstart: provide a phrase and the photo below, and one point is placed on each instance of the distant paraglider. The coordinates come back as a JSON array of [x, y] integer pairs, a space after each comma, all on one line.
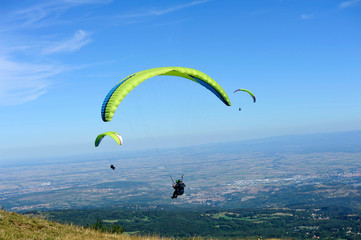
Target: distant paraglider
[[113, 135], [247, 91]]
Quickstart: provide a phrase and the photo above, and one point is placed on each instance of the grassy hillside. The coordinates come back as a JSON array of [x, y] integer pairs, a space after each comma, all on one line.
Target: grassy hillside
[[16, 226]]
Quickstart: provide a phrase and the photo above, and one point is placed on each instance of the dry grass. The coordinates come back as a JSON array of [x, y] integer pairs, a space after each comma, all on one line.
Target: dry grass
[[15, 226]]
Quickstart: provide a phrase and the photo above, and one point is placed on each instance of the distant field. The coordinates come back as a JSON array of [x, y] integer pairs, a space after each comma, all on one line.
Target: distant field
[[234, 181], [217, 175]]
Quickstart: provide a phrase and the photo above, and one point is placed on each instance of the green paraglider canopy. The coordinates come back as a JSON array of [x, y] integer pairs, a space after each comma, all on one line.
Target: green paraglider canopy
[[119, 91], [249, 92], [111, 134]]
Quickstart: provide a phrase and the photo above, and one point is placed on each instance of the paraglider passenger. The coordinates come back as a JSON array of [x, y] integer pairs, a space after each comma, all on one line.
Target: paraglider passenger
[[112, 167], [178, 188]]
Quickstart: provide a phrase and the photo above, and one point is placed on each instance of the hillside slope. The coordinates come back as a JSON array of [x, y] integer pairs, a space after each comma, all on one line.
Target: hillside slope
[[16, 226]]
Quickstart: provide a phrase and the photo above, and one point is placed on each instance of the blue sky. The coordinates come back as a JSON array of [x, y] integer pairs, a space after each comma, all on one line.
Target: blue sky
[[59, 59]]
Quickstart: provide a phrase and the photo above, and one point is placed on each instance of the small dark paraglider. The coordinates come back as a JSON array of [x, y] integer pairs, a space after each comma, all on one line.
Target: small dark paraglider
[[178, 186], [247, 91], [112, 167]]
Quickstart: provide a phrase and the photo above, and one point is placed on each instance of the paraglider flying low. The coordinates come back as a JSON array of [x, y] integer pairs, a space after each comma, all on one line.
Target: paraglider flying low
[[113, 135], [178, 186]]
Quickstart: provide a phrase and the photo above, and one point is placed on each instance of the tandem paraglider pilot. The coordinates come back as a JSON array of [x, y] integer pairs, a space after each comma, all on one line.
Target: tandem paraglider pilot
[[178, 188]]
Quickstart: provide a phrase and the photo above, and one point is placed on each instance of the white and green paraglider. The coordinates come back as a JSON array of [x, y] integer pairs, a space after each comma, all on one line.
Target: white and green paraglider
[[114, 135], [111, 134], [120, 90]]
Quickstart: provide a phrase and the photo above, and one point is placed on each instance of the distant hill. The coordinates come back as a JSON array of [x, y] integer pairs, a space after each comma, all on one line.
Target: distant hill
[[348, 141], [306, 143], [15, 226]]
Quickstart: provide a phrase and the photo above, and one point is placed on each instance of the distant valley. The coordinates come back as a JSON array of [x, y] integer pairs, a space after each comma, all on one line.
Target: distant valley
[[273, 172]]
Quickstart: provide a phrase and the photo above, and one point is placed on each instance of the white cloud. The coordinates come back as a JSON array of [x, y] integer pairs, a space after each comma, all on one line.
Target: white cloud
[[350, 3], [168, 23], [89, 1], [25, 74], [175, 8], [306, 16], [43, 14], [79, 40], [32, 16], [158, 12], [23, 82]]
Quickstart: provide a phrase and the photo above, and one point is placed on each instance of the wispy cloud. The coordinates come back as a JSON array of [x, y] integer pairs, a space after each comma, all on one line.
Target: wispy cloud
[[22, 82], [175, 8], [89, 1], [33, 15], [169, 23], [42, 14], [258, 12], [350, 3], [79, 40], [25, 74], [158, 12], [306, 16]]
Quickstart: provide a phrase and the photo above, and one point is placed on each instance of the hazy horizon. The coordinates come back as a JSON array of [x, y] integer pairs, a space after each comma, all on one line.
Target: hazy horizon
[[249, 145]]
